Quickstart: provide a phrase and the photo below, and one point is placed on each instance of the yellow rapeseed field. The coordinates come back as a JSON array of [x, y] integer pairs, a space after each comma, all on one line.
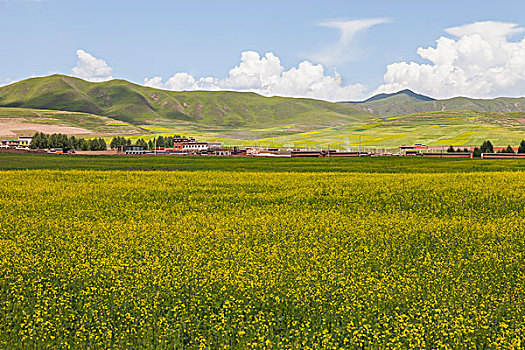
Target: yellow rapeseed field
[[222, 260]]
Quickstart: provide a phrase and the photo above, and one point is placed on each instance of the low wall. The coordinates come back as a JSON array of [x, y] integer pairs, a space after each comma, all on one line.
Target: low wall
[[503, 156], [447, 155], [346, 154], [306, 154]]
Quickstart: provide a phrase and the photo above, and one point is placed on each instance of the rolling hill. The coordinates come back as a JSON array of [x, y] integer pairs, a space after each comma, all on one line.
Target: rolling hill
[[139, 105], [407, 102], [458, 128], [25, 122], [77, 107]]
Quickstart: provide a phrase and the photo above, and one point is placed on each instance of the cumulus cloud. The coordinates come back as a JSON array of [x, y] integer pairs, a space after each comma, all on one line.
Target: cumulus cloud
[[343, 51], [265, 75], [481, 60], [91, 68]]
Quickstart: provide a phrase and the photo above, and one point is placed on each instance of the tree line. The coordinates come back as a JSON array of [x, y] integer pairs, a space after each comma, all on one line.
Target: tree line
[[148, 145], [67, 143], [488, 147]]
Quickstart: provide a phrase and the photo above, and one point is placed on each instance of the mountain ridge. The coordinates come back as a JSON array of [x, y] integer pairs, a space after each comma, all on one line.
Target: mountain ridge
[[137, 104], [400, 103], [383, 96]]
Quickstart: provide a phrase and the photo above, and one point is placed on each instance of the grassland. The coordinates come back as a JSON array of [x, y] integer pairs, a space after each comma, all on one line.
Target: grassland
[[141, 105], [262, 259], [458, 128], [121, 108], [379, 165], [25, 122]]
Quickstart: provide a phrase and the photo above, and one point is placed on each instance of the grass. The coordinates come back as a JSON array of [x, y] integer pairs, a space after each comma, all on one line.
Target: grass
[[458, 128], [95, 123], [120, 108], [379, 165], [435, 129], [137, 104]]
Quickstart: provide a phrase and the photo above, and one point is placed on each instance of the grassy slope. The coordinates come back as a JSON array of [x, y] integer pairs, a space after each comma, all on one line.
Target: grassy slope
[[246, 118], [340, 165], [97, 124], [458, 128], [402, 104], [438, 128], [143, 105]]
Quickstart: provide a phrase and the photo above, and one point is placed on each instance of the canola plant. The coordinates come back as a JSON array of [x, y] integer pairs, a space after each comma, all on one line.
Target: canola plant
[[222, 260]]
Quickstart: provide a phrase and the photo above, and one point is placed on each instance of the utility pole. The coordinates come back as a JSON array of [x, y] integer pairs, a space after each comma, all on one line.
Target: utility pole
[[359, 145], [155, 147]]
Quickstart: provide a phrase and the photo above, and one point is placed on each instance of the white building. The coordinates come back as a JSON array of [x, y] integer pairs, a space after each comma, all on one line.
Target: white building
[[21, 143], [194, 147]]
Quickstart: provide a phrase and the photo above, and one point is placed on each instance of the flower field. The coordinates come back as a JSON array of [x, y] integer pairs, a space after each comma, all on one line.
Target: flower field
[[261, 260]]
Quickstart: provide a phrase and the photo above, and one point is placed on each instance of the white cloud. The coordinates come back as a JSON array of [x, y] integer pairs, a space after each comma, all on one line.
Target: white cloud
[[343, 51], [182, 81], [266, 76], [91, 68], [481, 61], [6, 81]]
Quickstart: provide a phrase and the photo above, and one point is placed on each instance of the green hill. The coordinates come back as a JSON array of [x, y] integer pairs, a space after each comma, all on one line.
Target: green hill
[[401, 104], [74, 106], [141, 105], [25, 122], [458, 128]]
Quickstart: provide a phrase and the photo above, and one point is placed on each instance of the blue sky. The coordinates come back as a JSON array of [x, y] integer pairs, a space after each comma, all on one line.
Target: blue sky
[[140, 40]]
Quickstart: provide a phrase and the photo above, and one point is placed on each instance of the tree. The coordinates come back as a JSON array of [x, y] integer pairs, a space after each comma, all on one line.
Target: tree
[[119, 141], [141, 142], [73, 142], [161, 141], [36, 141], [64, 142], [521, 149], [509, 150], [114, 143], [83, 145], [97, 144], [103, 145], [450, 149], [53, 141], [476, 153], [487, 147]]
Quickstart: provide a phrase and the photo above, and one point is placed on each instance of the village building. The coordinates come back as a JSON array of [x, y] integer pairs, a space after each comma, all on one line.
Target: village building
[[224, 151], [195, 147], [130, 149], [55, 151], [20, 143]]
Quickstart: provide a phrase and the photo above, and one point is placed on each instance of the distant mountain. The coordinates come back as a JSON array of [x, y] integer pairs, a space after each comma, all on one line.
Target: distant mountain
[[403, 93], [408, 102], [140, 105]]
